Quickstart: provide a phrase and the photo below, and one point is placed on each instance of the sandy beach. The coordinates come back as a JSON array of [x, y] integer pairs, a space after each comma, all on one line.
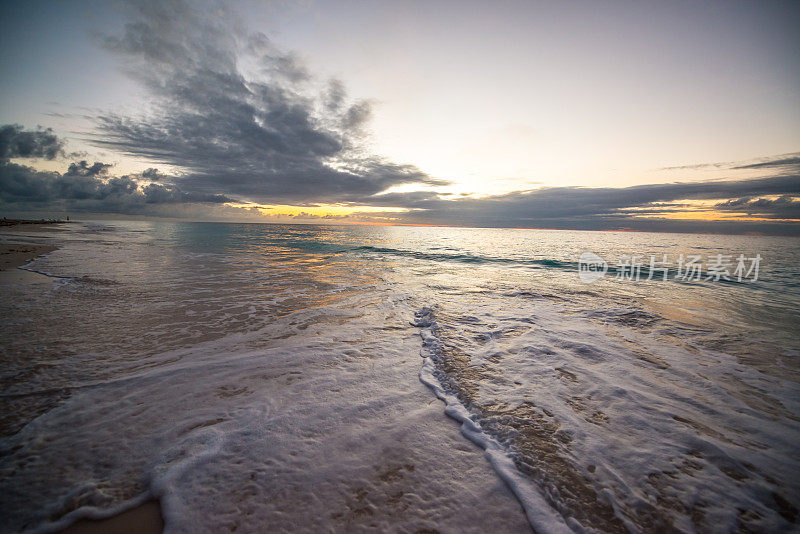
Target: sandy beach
[[144, 519], [204, 377], [15, 251], [14, 255], [394, 459]]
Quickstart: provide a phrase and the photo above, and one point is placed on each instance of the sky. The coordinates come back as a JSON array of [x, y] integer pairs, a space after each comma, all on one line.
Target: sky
[[672, 116]]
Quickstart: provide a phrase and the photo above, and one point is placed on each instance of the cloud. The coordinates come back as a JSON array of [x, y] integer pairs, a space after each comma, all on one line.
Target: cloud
[[239, 115], [88, 187], [557, 202], [791, 161], [16, 142], [786, 160], [242, 119], [152, 174], [167, 194], [82, 168], [605, 207], [783, 207], [83, 189]]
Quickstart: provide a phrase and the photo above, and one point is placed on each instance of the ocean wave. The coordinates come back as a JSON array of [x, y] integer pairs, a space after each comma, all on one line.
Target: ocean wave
[[467, 258], [608, 422], [542, 517], [65, 279]]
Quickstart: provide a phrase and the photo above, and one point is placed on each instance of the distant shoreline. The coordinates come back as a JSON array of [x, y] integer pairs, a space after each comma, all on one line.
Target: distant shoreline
[[4, 222]]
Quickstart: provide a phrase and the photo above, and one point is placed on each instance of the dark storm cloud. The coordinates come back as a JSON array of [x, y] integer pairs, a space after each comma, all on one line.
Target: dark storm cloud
[[83, 188], [16, 142], [253, 132], [152, 174], [783, 207], [167, 194], [558, 202], [604, 208], [82, 168]]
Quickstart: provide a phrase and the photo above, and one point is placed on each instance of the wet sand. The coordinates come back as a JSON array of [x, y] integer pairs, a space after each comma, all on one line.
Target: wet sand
[[13, 255], [14, 251], [403, 466], [144, 519]]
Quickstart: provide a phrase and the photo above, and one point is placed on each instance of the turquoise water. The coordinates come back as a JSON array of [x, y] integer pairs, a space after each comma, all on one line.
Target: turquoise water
[[617, 405]]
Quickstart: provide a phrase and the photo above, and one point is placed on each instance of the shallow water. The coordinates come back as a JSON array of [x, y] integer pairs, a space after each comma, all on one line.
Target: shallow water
[[243, 369]]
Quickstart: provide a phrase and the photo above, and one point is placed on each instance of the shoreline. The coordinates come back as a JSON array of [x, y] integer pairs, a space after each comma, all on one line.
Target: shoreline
[[145, 518], [15, 252], [15, 255], [5, 222], [405, 459]]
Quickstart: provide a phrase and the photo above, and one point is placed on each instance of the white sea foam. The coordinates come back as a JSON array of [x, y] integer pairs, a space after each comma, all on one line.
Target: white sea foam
[[542, 517], [314, 419], [268, 378], [650, 421]]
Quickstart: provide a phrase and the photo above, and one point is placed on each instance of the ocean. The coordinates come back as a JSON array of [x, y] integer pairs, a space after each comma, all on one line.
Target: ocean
[[257, 377]]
